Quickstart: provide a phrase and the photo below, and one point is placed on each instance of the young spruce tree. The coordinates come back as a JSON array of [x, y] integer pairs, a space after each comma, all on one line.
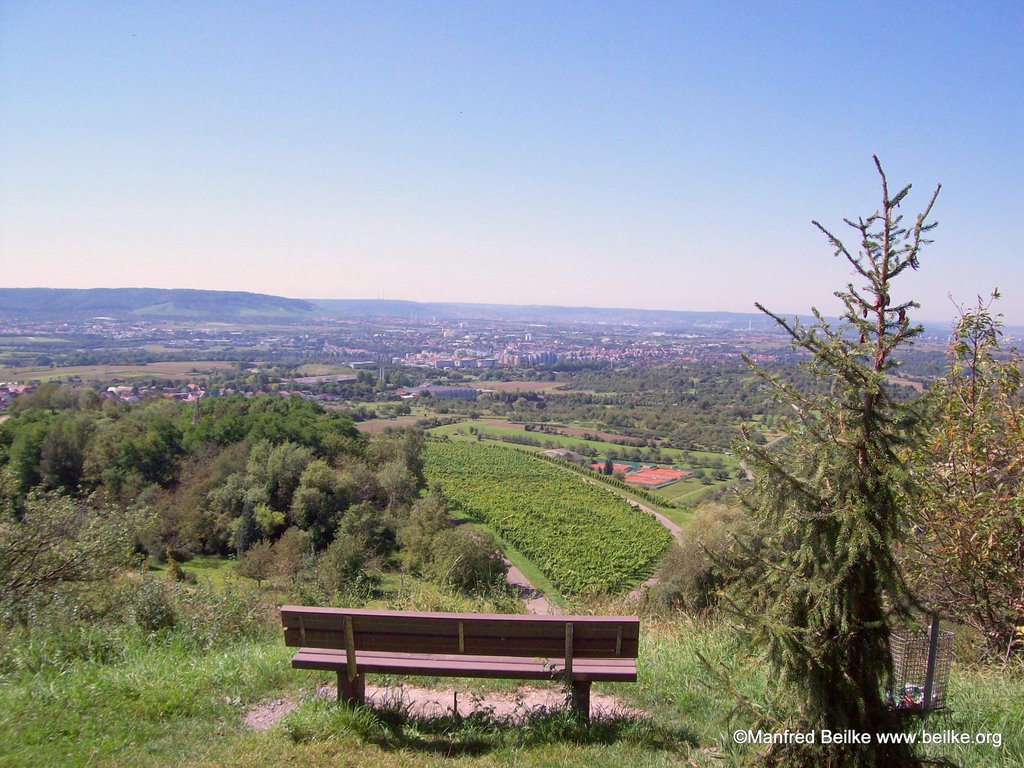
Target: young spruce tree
[[822, 592]]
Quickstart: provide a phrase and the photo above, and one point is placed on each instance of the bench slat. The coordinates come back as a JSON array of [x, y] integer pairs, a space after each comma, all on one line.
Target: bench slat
[[442, 665], [506, 646], [378, 615], [484, 625], [607, 632]]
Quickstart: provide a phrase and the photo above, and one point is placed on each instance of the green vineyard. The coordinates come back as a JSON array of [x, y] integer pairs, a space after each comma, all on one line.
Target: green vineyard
[[584, 538]]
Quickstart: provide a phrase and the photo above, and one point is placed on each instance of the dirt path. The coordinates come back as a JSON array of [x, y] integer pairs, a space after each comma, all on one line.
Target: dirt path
[[674, 529], [529, 594], [676, 532], [438, 702]]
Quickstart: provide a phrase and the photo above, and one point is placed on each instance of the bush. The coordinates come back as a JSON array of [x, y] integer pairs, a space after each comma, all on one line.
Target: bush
[[58, 542], [693, 570], [209, 617], [149, 604], [292, 551], [346, 567], [466, 559], [258, 562]]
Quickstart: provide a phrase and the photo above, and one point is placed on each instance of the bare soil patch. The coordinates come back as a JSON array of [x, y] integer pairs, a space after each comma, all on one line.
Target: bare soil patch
[[438, 702]]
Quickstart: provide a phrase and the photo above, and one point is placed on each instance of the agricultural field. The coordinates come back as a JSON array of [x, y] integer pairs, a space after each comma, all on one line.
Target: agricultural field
[[521, 386], [686, 491], [13, 341], [498, 428], [583, 537], [187, 369], [322, 369]]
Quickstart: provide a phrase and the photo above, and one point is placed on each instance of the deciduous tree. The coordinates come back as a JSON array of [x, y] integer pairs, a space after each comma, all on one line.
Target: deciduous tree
[[968, 552]]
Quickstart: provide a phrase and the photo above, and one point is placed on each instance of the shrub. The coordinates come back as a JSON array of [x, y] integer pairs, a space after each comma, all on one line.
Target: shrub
[[292, 551], [149, 604], [467, 559], [258, 562], [346, 567], [58, 541], [693, 571]]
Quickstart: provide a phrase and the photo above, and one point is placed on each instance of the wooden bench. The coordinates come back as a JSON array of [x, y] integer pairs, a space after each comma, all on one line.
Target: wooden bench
[[352, 642]]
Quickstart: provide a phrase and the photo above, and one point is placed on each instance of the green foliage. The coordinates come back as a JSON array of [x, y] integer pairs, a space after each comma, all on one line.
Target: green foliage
[[247, 533], [140, 448], [345, 567], [427, 518], [367, 526], [268, 520], [535, 506], [174, 570], [62, 453], [227, 420], [274, 470], [150, 605], [318, 502], [966, 556], [57, 541], [698, 568], [466, 559], [822, 595], [404, 447], [292, 551], [398, 484], [258, 562]]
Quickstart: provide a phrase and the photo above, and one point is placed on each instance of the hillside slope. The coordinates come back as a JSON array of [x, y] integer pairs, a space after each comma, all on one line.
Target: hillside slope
[[55, 304]]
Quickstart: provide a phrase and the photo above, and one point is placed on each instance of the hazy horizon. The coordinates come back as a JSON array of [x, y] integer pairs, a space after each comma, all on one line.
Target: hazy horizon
[[783, 311], [663, 156]]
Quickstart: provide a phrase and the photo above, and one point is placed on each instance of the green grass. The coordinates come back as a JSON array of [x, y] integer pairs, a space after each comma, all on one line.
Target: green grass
[[213, 570], [168, 704], [322, 369], [162, 705], [690, 490]]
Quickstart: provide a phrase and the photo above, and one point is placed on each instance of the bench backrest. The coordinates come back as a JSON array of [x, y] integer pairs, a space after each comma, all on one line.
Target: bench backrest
[[467, 633]]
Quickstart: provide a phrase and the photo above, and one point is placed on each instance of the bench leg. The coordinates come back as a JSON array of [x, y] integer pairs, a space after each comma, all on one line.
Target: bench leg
[[352, 693], [581, 699]]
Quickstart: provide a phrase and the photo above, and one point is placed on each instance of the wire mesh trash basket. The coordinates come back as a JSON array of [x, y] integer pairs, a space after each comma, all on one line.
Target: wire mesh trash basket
[[920, 668]]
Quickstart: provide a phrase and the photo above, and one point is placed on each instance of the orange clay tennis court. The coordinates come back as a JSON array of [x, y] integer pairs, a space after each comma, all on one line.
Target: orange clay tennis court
[[654, 477]]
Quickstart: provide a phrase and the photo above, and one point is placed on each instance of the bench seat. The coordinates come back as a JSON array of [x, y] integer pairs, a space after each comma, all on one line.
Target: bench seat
[[446, 665]]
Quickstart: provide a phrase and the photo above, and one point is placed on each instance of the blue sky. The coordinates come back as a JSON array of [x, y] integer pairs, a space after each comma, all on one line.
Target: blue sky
[[662, 155]]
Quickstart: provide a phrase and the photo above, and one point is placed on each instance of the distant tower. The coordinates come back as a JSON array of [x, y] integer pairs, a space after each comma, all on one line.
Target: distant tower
[[195, 412]]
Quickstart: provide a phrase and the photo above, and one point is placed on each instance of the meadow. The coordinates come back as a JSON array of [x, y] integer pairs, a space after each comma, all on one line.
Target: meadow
[[187, 369], [165, 701]]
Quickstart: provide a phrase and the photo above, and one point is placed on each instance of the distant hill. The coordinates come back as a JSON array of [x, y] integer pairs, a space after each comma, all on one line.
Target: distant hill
[[153, 303], [538, 313], [658, 319], [71, 304]]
